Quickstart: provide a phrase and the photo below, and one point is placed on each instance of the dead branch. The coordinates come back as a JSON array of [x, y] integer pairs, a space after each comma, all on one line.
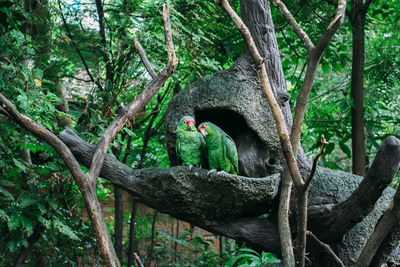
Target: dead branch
[[145, 60]]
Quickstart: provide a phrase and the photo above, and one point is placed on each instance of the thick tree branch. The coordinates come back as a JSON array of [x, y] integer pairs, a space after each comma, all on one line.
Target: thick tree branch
[[388, 245], [181, 192], [191, 195], [135, 106], [331, 222], [4, 112]]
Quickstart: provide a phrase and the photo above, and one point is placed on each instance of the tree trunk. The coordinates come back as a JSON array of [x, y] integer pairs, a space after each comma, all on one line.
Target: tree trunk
[[119, 216], [357, 87]]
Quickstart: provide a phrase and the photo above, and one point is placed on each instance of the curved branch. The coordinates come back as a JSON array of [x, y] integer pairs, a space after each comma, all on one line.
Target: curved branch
[[331, 222]]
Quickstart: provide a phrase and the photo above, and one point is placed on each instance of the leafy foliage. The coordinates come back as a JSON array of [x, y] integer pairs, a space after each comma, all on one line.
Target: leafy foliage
[[249, 257]]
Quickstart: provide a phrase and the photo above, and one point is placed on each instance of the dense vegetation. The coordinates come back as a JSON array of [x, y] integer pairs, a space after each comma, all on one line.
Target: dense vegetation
[[73, 63]]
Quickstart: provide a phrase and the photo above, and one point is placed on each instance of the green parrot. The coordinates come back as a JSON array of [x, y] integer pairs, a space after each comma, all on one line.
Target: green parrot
[[190, 145], [222, 152]]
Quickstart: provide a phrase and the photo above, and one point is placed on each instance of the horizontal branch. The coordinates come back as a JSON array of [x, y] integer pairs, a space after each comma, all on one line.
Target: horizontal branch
[[189, 195], [221, 203]]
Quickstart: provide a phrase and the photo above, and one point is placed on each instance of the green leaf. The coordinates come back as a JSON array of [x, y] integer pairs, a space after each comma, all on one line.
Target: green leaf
[[42, 208], [38, 73], [27, 225], [6, 193], [18, 36], [65, 229], [329, 148], [14, 222], [12, 246], [45, 222], [4, 182], [345, 148], [53, 204], [3, 215], [325, 68], [26, 200], [20, 165]]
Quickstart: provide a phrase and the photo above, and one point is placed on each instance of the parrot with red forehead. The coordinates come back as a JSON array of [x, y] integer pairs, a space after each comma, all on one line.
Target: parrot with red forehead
[[190, 145], [222, 152]]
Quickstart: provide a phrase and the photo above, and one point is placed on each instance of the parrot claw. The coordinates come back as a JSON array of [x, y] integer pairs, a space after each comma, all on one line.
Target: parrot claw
[[190, 167], [211, 172], [221, 172]]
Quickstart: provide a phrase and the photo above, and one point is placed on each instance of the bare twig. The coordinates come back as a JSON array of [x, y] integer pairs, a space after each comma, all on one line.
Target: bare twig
[[327, 248], [315, 161], [145, 60], [138, 260], [128, 112], [295, 26]]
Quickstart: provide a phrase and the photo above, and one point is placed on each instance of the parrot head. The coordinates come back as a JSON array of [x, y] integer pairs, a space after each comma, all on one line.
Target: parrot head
[[187, 123], [205, 128]]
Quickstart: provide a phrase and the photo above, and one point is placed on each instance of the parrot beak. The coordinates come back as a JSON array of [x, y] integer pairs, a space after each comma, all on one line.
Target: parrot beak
[[203, 132], [190, 126]]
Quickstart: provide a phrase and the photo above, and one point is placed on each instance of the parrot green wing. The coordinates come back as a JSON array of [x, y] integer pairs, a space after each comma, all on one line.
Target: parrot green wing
[[230, 151], [203, 148], [178, 148]]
